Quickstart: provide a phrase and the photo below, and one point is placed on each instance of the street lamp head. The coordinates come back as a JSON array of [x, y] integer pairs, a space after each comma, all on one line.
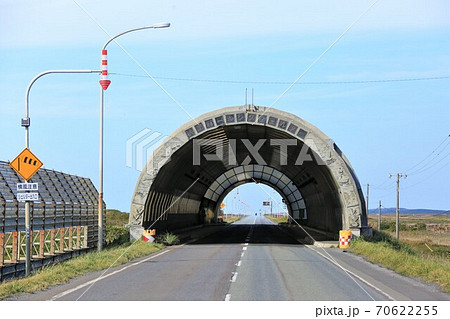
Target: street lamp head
[[161, 25]]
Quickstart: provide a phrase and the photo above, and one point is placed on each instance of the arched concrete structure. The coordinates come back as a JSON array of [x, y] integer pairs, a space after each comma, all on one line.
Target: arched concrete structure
[[188, 176]]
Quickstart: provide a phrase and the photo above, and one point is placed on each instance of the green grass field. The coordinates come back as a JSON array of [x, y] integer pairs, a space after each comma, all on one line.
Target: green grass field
[[428, 234], [423, 250]]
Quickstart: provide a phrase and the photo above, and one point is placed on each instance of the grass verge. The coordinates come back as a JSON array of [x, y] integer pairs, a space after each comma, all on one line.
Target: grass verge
[[278, 219], [231, 218], [403, 259], [61, 273]]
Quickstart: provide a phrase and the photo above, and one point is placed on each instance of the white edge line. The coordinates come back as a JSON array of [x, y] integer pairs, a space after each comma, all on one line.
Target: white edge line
[[64, 293], [353, 274]]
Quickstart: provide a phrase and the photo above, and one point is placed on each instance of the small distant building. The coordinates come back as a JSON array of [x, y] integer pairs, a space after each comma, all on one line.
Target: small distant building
[[63, 220]]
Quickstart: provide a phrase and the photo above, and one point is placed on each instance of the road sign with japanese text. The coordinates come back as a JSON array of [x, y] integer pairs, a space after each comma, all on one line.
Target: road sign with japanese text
[[25, 197], [21, 187]]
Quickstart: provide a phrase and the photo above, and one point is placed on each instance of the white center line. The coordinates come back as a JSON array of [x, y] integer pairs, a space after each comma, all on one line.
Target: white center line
[[233, 279]]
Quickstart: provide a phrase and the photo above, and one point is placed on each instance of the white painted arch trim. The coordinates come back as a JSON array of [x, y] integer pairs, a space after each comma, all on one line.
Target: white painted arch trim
[[256, 173]]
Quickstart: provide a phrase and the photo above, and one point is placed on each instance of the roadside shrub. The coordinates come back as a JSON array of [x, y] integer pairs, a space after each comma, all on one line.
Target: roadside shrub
[[116, 235], [390, 226], [168, 239], [421, 226]]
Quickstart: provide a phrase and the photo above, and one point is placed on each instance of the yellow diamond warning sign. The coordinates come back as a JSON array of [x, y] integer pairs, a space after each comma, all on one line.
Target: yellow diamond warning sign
[[26, 164]]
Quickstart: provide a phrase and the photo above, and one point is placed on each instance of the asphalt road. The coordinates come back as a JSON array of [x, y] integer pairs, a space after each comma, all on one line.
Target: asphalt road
[[252, 259]]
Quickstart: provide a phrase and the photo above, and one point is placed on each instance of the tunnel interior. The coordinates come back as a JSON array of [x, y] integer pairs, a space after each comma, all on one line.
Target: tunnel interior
[[307, 187], [253, 198]]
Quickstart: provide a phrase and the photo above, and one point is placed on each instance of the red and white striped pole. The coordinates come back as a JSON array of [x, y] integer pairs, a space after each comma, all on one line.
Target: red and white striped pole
[[104, 82]]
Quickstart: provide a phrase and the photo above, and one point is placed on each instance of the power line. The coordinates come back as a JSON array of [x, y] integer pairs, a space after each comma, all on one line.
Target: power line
[[429, 155], [424, 169], [283, 82], [387, 187], [428, 176]]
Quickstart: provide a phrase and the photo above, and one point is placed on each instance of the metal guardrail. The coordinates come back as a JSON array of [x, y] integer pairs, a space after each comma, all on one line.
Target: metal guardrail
[[63, 220]]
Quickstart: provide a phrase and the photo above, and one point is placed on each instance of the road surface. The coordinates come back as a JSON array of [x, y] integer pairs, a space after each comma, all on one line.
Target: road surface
[[252, 259]]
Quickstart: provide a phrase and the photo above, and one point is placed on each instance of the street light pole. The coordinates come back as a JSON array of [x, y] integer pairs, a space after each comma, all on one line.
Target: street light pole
[[26, 124], [104, 82]]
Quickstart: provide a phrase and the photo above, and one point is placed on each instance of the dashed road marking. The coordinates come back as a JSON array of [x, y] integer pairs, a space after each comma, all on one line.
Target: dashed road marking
[[233, 279], [227, 297]]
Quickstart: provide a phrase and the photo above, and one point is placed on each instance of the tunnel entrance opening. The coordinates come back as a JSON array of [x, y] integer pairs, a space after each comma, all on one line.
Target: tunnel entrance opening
[[252, 200], [188, 177]]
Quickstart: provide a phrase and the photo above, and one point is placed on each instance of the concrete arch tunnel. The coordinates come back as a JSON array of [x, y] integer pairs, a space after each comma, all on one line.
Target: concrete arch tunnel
[[188, 176]]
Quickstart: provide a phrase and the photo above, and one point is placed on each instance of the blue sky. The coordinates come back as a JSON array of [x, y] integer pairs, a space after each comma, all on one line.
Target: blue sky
[[382, 127]]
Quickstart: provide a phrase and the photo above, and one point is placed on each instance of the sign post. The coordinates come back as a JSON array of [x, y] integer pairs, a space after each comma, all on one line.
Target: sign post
[[268, 203], [26, 164]]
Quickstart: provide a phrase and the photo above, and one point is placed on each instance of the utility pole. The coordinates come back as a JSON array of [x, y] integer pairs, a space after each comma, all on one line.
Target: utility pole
[[271, 214], [397, 210], [367, 199], [379, 215]]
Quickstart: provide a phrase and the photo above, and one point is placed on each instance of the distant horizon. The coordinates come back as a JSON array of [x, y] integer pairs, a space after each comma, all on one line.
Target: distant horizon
[[404, 210], [372, 211]]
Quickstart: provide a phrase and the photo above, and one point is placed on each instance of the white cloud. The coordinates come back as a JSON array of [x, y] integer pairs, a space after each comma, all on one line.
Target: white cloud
[[30, 23]]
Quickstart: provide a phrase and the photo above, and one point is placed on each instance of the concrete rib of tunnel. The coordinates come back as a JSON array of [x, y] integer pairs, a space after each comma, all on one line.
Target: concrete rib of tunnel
[[324, 185], [259, 174]]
